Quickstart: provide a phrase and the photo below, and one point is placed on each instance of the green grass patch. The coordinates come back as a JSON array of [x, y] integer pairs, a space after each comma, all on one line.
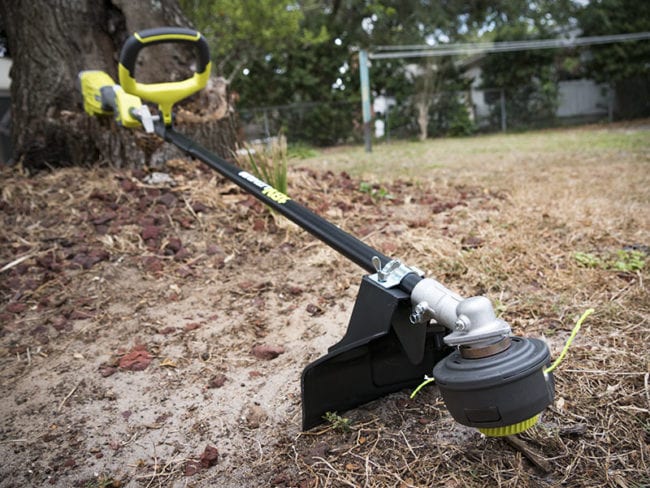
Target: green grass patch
[[622, 260], [411, 158]]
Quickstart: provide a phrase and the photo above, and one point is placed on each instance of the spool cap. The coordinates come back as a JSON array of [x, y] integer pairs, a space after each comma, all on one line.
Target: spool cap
[[502, 390]]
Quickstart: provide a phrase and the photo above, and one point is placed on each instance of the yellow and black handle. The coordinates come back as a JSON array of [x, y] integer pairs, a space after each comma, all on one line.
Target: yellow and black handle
[[164, 94], [102, 96]]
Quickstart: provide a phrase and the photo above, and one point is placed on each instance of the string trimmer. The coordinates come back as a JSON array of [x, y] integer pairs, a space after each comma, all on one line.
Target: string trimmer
[[403, 326]]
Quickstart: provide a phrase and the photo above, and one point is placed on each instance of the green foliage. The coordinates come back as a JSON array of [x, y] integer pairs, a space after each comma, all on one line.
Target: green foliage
[[450, 117], [623, 260], [322, 125], [240, 31], [301, 150], [269, 164], [619, 61], [337, 422], [375, 191], [528, 79], [629, 261], [303, 54], [624, 64], [587, 260]]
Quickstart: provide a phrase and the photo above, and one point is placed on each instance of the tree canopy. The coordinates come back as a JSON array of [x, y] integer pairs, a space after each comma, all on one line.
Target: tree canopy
[[280, 52]]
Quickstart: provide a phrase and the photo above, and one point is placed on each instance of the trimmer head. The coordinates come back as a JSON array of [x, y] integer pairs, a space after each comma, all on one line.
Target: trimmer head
[[500, 394], [490, 381]]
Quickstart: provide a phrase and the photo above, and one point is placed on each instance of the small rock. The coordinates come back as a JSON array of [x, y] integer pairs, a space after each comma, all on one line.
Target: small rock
[[157, 178], [191, 468], [320, 450], [136, 360], [255, 415], [314, 310], [213, 249], [199, 207], [168, 199], [80, 315], [209, 457], [16, 307], [174, 245], [259, 225], [150, 232], [217, 381], [281, 479], [184, 271], [106, 370], [153, 264], [182, 254], [471, 242], [104, 218], [267, 352], [295, 290], [128, 185]]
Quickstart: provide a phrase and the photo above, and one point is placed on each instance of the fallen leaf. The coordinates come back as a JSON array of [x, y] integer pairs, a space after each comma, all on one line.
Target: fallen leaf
[[168, 362]]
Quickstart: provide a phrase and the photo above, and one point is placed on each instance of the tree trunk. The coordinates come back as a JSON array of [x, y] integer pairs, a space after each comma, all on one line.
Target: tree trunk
[[422, 107], [52, 41]]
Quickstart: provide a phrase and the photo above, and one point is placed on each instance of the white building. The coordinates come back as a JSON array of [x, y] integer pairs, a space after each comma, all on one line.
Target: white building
[[5, 104]]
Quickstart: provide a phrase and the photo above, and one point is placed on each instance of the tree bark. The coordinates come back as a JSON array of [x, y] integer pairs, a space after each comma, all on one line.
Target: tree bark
[[52, 41]]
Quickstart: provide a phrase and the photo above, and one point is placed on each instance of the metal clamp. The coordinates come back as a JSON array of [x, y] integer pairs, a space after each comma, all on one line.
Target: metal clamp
[[392, 273]]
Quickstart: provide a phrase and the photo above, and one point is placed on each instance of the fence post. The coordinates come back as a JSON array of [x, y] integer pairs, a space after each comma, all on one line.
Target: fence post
[[504, 125], [266, 126], [365, 98], [610, 102], [386, 121]]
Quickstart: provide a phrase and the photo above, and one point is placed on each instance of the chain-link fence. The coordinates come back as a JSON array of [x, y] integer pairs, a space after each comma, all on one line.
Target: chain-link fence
[[452, 113], [315, 123]]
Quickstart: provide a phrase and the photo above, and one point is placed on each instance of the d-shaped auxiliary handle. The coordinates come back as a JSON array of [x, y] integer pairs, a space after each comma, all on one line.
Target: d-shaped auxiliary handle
[[164, 94]]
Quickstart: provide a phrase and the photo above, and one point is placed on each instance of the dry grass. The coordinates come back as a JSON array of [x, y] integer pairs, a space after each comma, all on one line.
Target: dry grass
[[500, 215], [559, 193]]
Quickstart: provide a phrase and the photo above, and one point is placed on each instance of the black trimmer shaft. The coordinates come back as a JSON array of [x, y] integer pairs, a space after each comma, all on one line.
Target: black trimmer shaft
[[339, 240]]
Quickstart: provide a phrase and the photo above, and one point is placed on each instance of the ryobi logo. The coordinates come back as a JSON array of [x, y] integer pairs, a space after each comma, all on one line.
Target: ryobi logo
[[275, 195]]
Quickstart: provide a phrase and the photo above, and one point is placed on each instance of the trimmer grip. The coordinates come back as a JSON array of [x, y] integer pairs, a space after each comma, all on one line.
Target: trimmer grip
[[97, 92], [101, 96], [164, 94]]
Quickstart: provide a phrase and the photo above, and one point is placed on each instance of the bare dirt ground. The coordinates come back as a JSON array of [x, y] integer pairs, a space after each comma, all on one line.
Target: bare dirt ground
[[154, 335]]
